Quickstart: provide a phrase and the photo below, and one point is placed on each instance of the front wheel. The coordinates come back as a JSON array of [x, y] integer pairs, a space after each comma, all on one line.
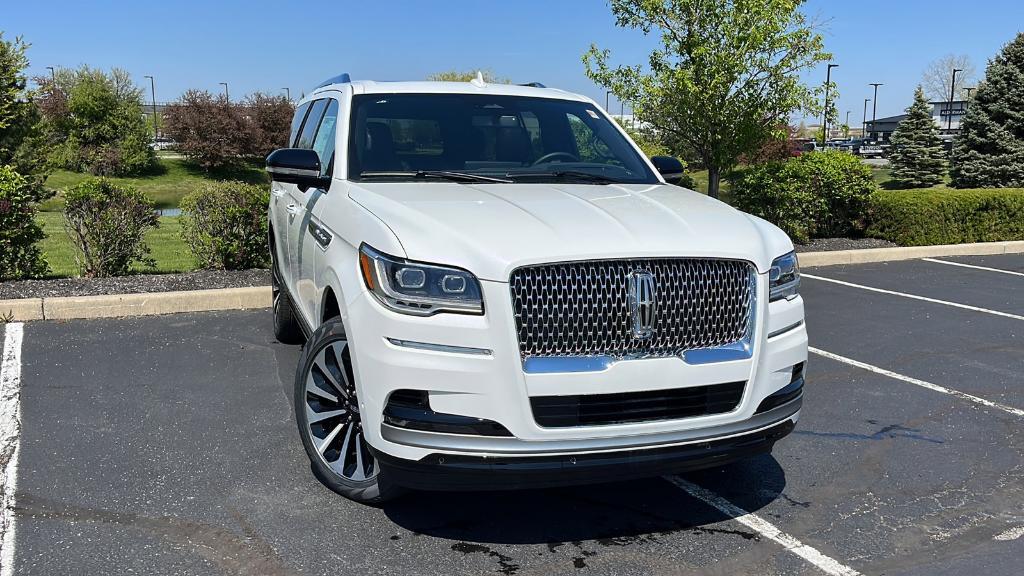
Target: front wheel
[[327, 412]]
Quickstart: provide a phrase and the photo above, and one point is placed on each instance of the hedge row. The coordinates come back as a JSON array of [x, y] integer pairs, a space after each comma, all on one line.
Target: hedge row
[[947, 216]]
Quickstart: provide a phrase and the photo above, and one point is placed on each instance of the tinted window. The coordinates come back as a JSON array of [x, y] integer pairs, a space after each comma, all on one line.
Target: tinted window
[[325, 137], [300, 114], [527, 139], [312, 122]]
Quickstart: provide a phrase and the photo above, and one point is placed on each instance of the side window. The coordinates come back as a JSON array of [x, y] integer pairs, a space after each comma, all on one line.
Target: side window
[[312, 122], [325, 137], [300, 115]]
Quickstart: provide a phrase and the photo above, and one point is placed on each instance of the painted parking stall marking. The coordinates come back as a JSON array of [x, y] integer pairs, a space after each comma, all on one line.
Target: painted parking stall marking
[[974, 266], [10, 430], [918, 382], [766, 529], [915, 297]]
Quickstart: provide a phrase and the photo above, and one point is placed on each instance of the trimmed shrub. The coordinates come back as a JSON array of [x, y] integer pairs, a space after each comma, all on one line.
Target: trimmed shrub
[[926, 217], [107, 224], [816, 195], [20, 257], [225, 225]]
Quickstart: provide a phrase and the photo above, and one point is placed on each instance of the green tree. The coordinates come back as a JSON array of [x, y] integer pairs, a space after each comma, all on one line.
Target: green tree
[[989, 151], [20, 256], [94, 122], [460, 76], [21, 136], [918, 158], [725, 76]]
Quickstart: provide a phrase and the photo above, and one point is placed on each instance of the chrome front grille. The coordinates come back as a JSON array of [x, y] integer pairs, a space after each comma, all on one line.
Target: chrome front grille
[[584, 308]]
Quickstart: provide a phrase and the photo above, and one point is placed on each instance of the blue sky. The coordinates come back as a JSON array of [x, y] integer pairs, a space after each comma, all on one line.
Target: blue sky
[[260, 45]]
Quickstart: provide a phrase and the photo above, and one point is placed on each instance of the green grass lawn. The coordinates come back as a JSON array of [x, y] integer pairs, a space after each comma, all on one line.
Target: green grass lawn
[[170, 252], [701, 179], [168, 183]]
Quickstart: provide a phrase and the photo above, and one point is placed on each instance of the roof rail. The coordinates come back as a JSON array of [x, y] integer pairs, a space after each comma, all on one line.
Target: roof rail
[[342, 78], [534, 85]]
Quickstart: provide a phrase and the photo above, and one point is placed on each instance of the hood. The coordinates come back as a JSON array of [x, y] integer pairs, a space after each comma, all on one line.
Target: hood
[[491, 229]]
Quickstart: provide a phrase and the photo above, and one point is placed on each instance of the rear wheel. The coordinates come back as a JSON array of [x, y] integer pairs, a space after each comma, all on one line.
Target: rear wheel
[[286, 324], [327, 411]]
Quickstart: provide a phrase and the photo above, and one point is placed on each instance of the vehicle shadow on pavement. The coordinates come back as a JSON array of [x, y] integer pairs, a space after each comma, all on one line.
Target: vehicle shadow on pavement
[[611, 514]]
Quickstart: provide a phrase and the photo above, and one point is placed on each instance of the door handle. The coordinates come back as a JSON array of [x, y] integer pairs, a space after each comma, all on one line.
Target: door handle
[[292, 209], [277, 192]]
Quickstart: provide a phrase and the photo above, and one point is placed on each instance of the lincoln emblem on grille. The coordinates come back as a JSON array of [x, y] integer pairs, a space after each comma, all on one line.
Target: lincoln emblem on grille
[[642, 303]]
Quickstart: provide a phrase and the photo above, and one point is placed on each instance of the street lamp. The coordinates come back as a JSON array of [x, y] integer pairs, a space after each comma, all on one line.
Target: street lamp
[[607, 101], [952, 93], [847, 122], [864, 121], [152, 86], [226, 96], [824, 120], [967, 103], [288, 93], [53, 75], [874, 103]]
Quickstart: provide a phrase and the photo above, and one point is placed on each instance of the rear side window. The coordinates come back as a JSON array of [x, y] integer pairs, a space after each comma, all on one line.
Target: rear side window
[[316, 111], [300, 114], [325, 137]]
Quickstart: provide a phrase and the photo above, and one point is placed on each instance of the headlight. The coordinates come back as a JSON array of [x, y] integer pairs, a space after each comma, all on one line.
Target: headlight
[[418, 288], [784, 277]]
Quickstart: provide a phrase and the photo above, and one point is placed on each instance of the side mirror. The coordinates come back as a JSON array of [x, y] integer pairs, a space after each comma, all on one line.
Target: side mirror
[[671, 169], [300, 166]]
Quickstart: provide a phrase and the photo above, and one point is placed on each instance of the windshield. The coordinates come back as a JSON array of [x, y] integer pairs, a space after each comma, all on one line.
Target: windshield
[[472, 137]]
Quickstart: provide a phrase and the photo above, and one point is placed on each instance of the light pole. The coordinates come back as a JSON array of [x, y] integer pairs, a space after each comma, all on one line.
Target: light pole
[[847, 123], [53, 76], [824, 119], [967, 103], [864, 121], [287, 93], [226, 96], [152, 87], [607, 101], [874, 103], [952, 93]]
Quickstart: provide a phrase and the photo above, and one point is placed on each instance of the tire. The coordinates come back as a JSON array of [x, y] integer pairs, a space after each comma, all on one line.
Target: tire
[[286, 323], [327, 413]]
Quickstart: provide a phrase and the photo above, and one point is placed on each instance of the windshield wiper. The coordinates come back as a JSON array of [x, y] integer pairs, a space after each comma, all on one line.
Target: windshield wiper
[[438, 174], [568, 175]]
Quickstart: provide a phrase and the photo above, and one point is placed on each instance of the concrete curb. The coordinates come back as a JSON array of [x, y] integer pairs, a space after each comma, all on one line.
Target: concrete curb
[[864, 256], [116, 305]]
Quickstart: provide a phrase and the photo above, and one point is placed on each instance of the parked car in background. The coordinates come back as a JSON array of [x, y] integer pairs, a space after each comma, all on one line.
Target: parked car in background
[[865, 148], [163, 143]]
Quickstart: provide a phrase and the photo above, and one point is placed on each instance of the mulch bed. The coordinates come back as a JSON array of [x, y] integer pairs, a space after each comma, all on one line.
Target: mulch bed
[[199, 280], [832, 244]]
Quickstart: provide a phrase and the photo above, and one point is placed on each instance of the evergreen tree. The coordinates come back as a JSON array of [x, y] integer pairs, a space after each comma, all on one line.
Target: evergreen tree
[[21, 137], [989, 150], [918, 158]]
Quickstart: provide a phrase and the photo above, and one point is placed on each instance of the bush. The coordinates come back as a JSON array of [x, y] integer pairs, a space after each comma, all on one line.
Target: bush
[[107, 224], [926, 217], [19, 255], [816, 195], [225, 225]]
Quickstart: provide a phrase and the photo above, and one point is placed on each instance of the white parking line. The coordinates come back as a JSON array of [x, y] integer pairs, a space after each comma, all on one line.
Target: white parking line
[[765, 528], [962, 265], [1011, 534], [916, 382], [10, 430], [916, 297]]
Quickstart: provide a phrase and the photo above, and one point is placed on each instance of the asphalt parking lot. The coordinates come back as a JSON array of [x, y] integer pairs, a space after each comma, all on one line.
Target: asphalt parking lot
[[166, 445]]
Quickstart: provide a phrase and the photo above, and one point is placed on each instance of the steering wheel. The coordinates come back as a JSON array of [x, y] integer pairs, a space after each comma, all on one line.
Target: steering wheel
[[552, 155]]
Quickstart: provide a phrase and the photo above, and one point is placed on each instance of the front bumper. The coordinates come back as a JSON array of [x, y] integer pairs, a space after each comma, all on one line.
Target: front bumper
[[440, 471], [495, 387]]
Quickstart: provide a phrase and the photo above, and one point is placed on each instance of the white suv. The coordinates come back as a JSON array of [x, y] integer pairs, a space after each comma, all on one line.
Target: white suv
[[498, 290]]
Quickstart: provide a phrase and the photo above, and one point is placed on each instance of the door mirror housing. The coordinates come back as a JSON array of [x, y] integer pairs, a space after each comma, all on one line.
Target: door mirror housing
[[671, 169], [299, 166]]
